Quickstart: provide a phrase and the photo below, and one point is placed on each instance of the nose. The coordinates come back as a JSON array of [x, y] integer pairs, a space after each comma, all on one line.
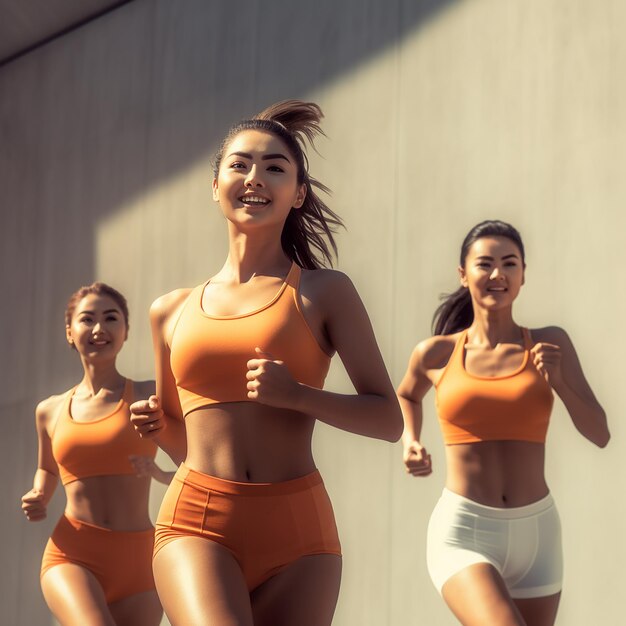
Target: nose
[[496, 274], [253, 179]]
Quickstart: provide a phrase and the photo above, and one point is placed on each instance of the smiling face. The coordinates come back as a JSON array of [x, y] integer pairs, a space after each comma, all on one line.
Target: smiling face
[[493, 272], [98, 328], [257, 182]]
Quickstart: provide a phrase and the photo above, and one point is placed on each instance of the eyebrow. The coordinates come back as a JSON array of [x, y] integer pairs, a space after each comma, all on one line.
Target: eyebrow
[[486, 257], [265, 157], [93, 312]]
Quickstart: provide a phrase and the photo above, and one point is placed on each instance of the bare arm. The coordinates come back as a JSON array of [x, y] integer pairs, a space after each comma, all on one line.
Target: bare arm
[[555, 357], [160, 416], [411, 392], [373, 411], [35, 501]]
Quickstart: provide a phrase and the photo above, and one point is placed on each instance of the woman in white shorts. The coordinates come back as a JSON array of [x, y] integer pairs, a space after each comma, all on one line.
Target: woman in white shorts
[[494, 538]]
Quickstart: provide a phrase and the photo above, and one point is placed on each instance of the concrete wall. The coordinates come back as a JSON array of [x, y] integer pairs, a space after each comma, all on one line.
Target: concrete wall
[[439, 114]]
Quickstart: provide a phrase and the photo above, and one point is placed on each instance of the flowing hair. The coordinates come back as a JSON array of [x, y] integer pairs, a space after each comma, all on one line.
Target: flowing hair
[[455, 312], [308, 233]]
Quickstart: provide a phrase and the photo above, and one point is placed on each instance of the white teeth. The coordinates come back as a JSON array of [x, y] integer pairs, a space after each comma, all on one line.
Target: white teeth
[[253, 200]]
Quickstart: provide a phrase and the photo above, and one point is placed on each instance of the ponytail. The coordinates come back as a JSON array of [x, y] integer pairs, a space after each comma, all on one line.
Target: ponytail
[[454, 313]]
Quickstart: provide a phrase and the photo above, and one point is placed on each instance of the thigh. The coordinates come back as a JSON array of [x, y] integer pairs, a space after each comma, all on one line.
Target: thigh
[[75, 597], [477, 596], [200, 583], [304, 593], [140, 609], [539, 611]]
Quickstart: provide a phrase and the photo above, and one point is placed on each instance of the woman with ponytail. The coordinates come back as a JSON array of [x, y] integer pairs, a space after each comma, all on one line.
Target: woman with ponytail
[[246, 533], [494, 545]]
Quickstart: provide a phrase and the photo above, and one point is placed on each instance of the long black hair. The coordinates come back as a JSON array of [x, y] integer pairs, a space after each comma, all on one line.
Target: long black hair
[[455, 312], [307, 236]]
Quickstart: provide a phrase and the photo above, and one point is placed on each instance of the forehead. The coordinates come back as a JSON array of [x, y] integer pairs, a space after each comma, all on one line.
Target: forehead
[[256, 142], [496, 247], [97, 303]]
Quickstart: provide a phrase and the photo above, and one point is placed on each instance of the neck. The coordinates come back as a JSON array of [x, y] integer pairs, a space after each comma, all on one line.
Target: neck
[[494, 327], [253, 255], [99, 376]]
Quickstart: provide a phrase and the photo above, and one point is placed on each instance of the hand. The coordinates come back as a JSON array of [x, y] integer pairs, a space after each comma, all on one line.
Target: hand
[[416, 460], [269, 381], [34, 506], [147, 417], [144, 465], [547, 359]]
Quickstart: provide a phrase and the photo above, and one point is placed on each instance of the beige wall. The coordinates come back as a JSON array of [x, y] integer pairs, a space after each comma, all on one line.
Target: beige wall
[[437, 117]]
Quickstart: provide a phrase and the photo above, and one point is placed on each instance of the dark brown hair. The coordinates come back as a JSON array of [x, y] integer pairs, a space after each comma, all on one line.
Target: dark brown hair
[[455, 312], [307, 236], [96, 289]]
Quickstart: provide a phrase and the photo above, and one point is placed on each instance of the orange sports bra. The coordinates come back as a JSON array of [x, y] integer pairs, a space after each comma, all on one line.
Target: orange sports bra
[[100, 447], [209, 353], [472, 408]]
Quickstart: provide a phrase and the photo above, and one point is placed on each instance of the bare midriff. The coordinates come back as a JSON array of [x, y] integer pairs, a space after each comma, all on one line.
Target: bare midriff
[[249, 442], [114, 502], [503, 474]]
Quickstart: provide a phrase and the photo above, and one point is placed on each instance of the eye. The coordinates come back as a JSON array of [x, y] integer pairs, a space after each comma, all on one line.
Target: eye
[[275, 168], [237, 165], [85, 320], [112, 318]]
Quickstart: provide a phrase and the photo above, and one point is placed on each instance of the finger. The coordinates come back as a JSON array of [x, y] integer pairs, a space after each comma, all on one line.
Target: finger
[[141, 406], [263, 354], [32, 497], [154, 402], [254, 364], [143, 420]]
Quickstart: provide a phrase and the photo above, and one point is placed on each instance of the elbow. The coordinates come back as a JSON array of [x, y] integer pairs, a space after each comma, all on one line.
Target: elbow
[[395, 425], [602, 437], [603, 440]]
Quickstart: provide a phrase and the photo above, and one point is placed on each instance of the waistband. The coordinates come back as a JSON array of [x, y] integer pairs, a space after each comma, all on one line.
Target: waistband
[[476, 508], [78, 524], [231, 487]]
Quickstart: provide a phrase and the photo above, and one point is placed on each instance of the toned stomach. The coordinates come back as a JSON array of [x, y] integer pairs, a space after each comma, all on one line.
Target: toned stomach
[[503, 474], [113, 502], [249, 442]]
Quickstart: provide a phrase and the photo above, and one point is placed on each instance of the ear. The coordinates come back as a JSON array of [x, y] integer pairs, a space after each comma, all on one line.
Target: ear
[[300, 196], [216, 193], [68, 335], [524, 274], [462, 276]]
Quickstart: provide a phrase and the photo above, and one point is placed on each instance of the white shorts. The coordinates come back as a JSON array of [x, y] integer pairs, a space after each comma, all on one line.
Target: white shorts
[[522, 543]]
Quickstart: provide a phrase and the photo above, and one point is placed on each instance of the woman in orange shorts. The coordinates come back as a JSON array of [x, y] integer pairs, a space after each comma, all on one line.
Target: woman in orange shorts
[[246, 533], [96, 568], [494, 541]]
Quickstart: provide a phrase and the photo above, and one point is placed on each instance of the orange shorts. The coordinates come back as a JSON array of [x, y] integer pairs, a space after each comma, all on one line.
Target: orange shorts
[[266, 526], [120, 561]]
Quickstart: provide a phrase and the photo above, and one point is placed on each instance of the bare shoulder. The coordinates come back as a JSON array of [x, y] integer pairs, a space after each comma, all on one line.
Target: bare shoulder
[[550, 334], [164, 306], [47, 410], [433, 353], [325, 283], [143, 388]]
